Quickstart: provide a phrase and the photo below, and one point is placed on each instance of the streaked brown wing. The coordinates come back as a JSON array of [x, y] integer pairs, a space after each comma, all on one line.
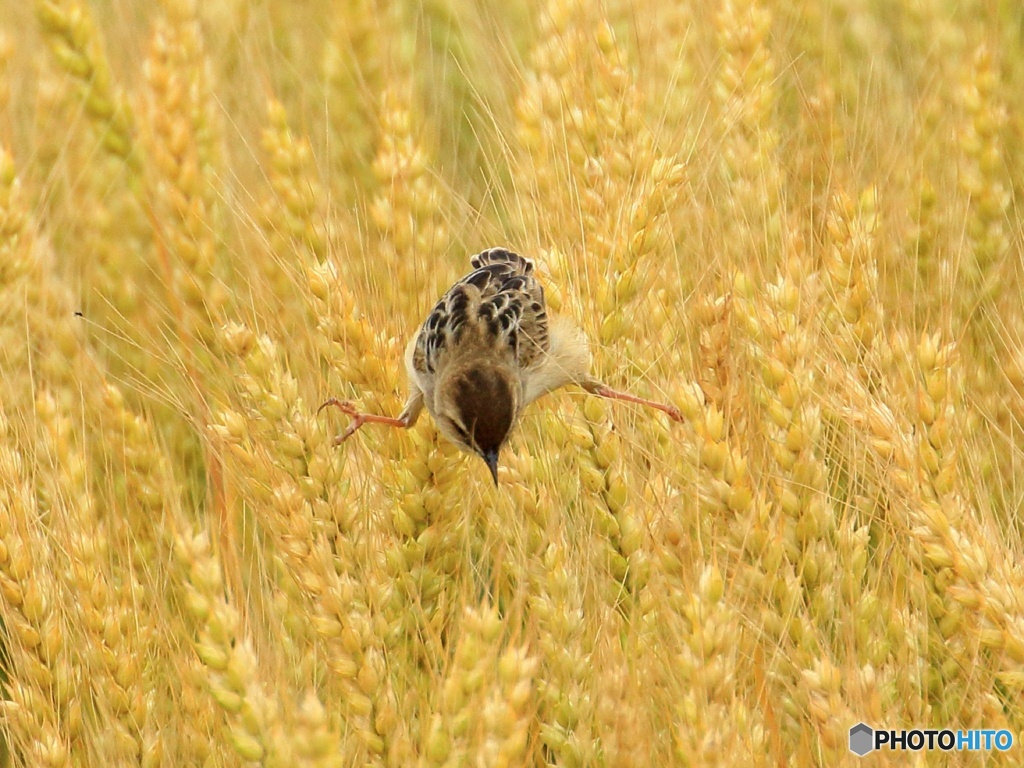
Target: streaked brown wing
[[502, 298]]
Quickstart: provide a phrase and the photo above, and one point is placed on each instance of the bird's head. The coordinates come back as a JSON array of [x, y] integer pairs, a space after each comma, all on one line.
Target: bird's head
[[476, 408]]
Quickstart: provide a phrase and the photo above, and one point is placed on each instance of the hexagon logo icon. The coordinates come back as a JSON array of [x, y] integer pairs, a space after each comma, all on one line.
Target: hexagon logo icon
[[861, 739]]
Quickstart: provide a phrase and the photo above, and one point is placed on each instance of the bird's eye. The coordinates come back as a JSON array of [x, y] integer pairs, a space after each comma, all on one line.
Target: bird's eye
[[462, 433]]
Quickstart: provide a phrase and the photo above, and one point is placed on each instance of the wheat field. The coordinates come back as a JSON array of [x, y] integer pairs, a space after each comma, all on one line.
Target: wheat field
[[796, 221]]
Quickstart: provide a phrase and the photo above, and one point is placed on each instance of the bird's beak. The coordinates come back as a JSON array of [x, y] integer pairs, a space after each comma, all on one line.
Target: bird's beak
[[491, 458]]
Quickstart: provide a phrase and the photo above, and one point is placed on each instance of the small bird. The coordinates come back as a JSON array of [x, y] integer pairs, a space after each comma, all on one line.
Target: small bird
[[485, 352]]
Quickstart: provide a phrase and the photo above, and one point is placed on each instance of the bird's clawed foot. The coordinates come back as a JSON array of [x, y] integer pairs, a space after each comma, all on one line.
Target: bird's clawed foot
[[358, 418]]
